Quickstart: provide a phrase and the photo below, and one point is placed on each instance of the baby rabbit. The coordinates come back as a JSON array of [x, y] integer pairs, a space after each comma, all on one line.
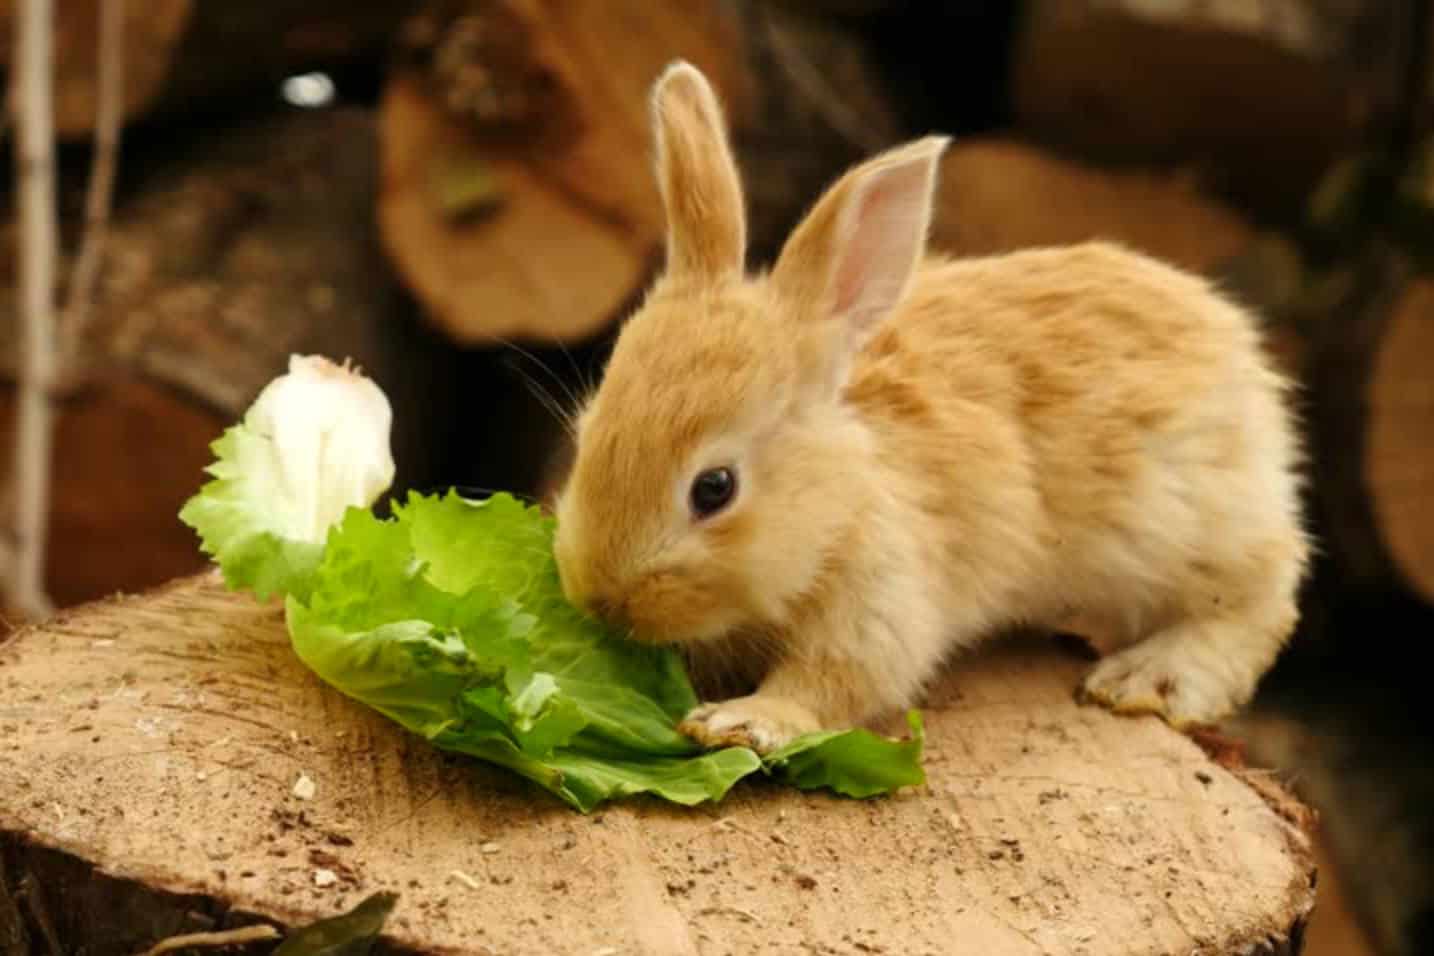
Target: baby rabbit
[[869, 458]]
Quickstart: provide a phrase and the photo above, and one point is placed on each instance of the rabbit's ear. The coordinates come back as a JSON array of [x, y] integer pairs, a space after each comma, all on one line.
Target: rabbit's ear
[[706, 223], [853, 256]]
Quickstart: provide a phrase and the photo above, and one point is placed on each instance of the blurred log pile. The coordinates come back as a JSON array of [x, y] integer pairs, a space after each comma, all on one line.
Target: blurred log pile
[[481, 180], [183, 58], [235, 241], [233, 253]]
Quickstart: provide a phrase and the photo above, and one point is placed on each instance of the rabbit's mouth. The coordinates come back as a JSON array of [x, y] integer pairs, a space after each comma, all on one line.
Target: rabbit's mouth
[[666, 632], [674, 607]]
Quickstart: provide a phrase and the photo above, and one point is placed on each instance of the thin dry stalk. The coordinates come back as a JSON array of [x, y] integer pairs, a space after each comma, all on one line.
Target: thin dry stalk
[[36, 186], [229, 937], [109, 109]]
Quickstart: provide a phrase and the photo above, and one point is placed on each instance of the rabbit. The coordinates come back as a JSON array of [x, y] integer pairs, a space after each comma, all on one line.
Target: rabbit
[[844, 470]]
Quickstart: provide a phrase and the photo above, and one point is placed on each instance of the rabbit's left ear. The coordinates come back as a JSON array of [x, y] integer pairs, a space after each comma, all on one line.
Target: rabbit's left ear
[[701, 192], [853, 256]]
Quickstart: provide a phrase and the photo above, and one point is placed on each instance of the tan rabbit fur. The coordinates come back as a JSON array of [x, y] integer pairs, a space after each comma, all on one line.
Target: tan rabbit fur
[[926, 453]]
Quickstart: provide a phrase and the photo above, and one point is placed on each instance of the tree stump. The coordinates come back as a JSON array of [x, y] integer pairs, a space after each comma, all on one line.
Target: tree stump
[[150, 748]]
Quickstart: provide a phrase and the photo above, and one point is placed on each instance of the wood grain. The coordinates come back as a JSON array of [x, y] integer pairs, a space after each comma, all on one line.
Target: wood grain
[[1400, 405], [150, 746]]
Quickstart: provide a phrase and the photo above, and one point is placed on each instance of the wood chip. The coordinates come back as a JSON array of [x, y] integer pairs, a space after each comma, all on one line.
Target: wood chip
[[231, 937], [731, 911], [304, 787], [465, 879]]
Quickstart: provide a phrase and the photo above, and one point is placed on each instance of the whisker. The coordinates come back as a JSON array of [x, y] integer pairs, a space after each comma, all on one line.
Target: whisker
[[564, 414], [558, 379], [476, 492], [589, 383], [572, 363]]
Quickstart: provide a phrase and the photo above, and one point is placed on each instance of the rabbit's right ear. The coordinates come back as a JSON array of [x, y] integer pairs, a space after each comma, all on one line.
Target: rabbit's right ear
[[852, 258], [706, 223]]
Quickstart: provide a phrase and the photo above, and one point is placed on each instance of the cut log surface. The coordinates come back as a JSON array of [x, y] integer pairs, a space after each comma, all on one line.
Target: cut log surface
[[150, 746], [1399, 468]]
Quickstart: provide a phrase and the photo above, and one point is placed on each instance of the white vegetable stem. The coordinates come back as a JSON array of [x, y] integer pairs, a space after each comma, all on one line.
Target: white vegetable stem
[[328, 427], [36, 174]]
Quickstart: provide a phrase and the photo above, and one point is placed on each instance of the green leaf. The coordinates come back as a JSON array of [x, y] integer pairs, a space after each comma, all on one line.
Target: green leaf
[[593, 778], [855, 763], [448, 617], [352, 934], [242, 522]]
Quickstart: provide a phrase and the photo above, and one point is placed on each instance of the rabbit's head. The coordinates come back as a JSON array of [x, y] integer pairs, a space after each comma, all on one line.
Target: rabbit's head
[[715, 466]]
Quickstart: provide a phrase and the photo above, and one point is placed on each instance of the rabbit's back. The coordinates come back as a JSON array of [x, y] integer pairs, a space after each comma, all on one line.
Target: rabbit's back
[[1089, 412]]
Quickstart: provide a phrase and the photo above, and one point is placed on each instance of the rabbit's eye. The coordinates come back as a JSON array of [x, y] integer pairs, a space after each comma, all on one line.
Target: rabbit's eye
[[712, 491]]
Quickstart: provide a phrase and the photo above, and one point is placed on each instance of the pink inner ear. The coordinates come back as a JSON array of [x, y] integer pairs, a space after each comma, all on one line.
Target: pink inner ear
[[881, 242]]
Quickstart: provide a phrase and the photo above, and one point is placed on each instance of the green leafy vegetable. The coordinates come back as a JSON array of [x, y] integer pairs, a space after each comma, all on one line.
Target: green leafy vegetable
[[349, 934], [856, 763], [243, 521], [448, 617]]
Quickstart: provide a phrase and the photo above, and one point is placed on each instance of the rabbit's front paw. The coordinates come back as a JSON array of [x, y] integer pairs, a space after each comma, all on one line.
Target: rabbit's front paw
[[1180, 676], [762, 723]]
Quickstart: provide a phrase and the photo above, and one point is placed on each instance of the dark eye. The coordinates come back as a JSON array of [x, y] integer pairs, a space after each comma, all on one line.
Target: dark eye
[[712, 490]]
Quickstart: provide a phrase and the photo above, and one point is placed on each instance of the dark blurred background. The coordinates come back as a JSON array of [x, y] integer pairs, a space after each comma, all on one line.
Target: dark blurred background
[[456, 195]]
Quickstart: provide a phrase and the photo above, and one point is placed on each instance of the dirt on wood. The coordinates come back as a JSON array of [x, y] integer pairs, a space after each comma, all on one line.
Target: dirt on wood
[[154, 750]]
